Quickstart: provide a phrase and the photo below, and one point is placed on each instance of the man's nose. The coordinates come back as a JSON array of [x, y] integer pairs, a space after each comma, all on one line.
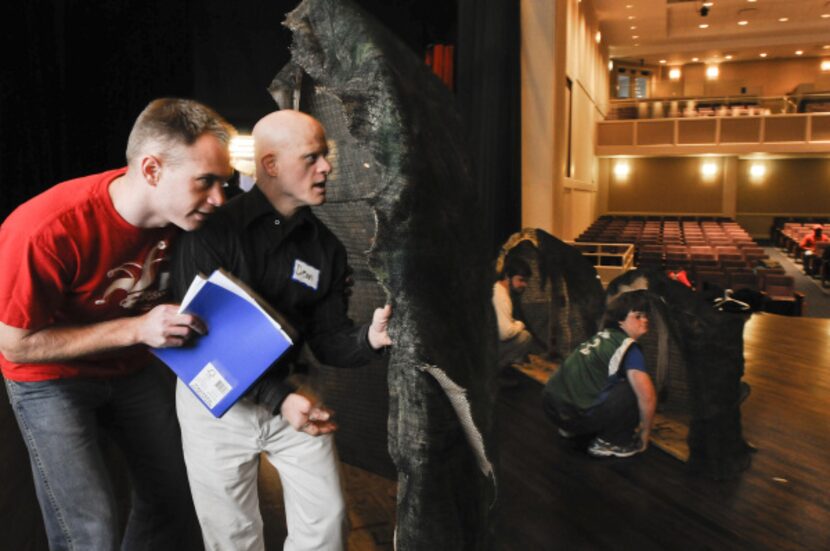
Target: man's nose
[[216, 197], [325, 166]]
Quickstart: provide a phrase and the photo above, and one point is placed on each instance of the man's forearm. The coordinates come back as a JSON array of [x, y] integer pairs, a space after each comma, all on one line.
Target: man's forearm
[[63, 343]]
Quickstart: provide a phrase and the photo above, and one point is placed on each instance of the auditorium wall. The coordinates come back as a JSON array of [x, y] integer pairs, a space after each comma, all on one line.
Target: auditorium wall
[[788, 187], [564, 94], [677, 185]]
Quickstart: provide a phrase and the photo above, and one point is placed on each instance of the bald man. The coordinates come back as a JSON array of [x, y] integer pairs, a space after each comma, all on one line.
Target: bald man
[[270, 239]]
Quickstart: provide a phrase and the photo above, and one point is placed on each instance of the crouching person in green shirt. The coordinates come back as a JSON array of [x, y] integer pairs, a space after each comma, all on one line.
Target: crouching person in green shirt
[[603, 388]]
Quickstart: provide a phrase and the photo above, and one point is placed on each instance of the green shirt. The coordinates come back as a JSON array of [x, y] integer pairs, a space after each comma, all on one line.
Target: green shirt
[[586, 372]]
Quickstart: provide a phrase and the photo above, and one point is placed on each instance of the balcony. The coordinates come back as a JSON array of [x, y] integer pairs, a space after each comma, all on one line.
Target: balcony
[[768, 133]]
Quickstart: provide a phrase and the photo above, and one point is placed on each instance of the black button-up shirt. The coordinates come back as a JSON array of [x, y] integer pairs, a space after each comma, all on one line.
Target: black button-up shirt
[[297, 265]]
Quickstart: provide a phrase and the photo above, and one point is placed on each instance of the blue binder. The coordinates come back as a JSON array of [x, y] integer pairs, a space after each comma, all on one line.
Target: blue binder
[[242, 342]]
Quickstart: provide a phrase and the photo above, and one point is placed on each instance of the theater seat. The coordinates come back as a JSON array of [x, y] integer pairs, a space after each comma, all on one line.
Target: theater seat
[[782, 298]]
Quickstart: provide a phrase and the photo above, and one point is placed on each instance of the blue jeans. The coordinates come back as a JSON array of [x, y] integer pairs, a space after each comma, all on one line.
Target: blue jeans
[[62, 422]]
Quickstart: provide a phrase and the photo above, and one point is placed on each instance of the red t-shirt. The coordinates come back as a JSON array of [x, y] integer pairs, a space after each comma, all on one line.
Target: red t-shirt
[[69, 258]]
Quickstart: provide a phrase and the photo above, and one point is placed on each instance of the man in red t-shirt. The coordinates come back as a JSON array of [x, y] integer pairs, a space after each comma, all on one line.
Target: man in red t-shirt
[[82, 295]]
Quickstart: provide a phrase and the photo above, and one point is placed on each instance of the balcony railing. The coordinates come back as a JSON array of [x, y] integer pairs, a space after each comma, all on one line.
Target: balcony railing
[[724, 106], [784, 133]]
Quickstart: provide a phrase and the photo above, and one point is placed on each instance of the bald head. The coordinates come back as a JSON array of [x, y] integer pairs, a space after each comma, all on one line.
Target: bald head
[[291, 167]]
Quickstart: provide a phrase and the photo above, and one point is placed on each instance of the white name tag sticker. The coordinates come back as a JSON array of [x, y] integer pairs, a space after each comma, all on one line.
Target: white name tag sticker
[[306, 274]]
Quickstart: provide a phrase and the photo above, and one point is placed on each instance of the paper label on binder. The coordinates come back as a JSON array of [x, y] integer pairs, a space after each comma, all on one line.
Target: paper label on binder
[[210, 385]]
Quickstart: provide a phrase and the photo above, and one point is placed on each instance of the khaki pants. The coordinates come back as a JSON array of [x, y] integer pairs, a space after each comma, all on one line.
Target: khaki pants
[[222, 457]]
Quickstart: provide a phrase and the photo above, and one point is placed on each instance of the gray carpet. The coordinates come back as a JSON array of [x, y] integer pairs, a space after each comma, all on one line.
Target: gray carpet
[[817, 299]]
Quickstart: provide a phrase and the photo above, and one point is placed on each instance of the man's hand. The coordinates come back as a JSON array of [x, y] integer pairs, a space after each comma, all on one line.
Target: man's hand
[[378, 336], [164, 327], [304, 416]]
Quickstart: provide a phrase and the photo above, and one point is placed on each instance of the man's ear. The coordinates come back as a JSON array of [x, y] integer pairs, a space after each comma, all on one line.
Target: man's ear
[[269, 164], [151, 169]]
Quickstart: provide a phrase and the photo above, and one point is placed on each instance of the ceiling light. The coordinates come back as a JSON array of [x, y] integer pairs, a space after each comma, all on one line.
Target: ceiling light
[[783, 19], [799, 52], [763, 54], [743, 23], [728, 56], [712, 72], [629, 6], [825, 15], [630, 17], [826, 47], [695, 59], [633, 27], [635, 37], [708, 4], [825, 65], [704, 26], [751, 1], [662, 61], [674, 73]]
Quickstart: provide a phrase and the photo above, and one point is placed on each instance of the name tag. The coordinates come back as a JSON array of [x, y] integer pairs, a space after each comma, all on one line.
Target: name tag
[[306, 274]]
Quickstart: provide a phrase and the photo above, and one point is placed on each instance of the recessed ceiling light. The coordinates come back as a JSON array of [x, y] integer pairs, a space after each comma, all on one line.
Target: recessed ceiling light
[[763, 54], [743, 23], [783, 19], [728, 56], [695, 59], [662, 61], [635, 37], [825, 15], [704, 25], [751, 1], [826, 47], [629, 6], [799, 52], [708, 4], [633, 27], [630, 17]]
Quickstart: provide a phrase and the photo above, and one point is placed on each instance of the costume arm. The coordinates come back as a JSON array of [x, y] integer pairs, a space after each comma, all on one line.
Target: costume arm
[[646, 401]]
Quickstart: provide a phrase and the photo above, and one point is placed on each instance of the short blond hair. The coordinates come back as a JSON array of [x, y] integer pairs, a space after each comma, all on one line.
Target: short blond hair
[[169, 122]]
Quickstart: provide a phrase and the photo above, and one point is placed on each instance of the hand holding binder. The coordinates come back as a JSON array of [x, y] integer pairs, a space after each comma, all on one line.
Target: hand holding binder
[[243, 340]]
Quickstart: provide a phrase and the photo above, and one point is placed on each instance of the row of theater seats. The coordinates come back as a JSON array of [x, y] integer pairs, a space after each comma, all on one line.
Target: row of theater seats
[[711, 252], [788, 237]]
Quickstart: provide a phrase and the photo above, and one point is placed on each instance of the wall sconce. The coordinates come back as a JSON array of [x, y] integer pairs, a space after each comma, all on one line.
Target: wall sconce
[[674, 73], [712, 72], [598, 37], [757, 171], [242, 154], [621, 171], [825, 65], [708, 170]]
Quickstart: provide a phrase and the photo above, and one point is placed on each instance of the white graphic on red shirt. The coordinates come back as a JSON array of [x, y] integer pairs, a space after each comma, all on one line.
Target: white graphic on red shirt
[[138, 278]]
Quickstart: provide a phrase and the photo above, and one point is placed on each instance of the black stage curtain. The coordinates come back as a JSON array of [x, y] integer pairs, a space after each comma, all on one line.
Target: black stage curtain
[[489, 99], [74, 76]]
